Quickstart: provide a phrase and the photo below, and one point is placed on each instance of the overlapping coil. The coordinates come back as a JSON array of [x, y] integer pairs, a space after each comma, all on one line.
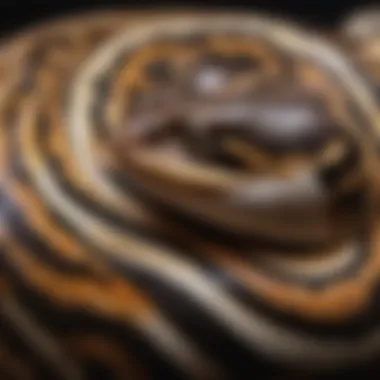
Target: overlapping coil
[[189, 195]]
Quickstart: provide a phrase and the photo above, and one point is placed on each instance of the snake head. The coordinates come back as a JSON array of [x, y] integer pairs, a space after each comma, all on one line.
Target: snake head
[[272, 148]]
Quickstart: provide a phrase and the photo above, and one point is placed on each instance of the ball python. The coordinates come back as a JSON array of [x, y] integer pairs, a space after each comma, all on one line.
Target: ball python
[[188, 195]]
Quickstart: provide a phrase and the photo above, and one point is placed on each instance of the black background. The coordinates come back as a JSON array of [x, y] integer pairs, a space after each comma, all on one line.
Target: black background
[[15, 14]]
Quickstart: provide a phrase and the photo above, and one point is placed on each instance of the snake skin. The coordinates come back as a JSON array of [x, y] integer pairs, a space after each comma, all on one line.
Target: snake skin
[[189, 195]]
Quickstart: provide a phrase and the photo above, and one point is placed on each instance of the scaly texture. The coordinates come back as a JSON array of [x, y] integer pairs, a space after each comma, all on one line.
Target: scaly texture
[[186, 196]]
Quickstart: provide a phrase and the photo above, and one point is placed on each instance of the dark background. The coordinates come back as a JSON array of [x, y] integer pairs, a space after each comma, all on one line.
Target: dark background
[[16, 13]]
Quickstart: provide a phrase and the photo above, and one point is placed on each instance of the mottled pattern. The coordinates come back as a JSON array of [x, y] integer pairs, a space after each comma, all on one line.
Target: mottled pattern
[[186, 196]]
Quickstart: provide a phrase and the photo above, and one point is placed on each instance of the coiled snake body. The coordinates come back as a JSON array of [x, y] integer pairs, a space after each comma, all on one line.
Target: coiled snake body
[[186, 195]]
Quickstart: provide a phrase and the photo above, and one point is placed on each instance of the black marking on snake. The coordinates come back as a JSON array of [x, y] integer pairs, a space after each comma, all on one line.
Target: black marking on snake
[[160, 71], [24, 351]]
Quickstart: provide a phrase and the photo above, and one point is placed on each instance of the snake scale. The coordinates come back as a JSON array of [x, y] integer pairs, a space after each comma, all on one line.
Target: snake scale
[[189, 195]]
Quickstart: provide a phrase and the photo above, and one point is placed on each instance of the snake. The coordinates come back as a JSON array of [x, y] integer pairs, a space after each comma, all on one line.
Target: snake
[[188, 195]]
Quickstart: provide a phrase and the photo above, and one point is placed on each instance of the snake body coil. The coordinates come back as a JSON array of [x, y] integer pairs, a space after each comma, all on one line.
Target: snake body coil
[[186, 196]]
